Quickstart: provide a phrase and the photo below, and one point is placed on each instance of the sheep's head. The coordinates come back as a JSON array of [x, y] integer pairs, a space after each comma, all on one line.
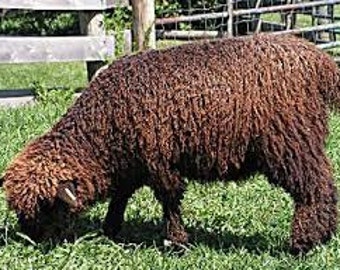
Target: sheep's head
[[52, 220], [47, 189], [44, 204]]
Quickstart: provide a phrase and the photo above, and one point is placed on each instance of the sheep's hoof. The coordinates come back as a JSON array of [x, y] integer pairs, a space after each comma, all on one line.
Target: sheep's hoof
[[176, 241], [178, 248], [111, 231], [298, 250]]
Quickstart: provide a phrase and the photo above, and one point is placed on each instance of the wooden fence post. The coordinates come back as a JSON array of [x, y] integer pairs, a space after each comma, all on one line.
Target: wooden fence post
[[144, 34], [92, 24]]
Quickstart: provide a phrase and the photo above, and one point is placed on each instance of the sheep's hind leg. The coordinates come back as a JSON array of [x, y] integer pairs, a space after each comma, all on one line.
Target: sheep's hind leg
[[170, 196], [307, 177], [115, 215]]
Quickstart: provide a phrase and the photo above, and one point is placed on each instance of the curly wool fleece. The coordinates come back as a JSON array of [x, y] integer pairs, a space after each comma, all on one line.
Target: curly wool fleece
[[208, 110]]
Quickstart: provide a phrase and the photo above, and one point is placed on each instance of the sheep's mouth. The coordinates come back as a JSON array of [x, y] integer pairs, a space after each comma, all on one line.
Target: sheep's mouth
[[54, 223], [54, 220]]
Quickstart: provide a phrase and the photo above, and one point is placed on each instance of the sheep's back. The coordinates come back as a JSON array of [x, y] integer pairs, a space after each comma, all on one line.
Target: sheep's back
[[207, 102]]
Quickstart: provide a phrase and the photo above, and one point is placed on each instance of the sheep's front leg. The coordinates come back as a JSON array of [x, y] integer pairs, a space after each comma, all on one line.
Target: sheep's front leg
[[170, 196], [115, 214]]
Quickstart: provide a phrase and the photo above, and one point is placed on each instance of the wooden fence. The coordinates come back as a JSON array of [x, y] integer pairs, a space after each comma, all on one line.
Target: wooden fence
[[62, 4], [93, 45]]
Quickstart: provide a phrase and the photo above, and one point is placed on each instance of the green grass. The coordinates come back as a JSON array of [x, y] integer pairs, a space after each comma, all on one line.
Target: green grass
[[232, 226], [17, 76]]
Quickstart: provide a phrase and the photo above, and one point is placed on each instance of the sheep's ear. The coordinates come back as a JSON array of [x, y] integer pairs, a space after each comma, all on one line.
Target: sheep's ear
[[66, 193], [1, 181]]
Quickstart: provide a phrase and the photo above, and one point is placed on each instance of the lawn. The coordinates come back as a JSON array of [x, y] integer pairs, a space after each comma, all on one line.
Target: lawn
[[232, 226], [21, 76]]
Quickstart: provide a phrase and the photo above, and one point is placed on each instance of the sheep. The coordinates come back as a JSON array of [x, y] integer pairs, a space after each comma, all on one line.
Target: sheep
[[217, 110]]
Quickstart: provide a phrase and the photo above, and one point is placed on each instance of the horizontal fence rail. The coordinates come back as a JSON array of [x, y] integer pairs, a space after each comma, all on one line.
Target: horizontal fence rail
[[317, 28], [191, 18], [282, 8], [250, 11], [195, 34], [51, 49], [187, 34], [62, 4]]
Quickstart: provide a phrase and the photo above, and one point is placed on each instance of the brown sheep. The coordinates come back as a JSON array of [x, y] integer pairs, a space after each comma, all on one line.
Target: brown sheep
[[209, 110]]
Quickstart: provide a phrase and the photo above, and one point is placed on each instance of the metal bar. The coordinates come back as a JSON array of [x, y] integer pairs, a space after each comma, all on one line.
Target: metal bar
[[308, 29], [329, 45], [182, 34], [252, 11], [230, 21], [280, 8], [190, 18]]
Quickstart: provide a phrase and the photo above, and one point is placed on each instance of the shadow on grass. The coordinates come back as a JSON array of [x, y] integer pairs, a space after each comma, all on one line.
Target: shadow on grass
[[150, 234]]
